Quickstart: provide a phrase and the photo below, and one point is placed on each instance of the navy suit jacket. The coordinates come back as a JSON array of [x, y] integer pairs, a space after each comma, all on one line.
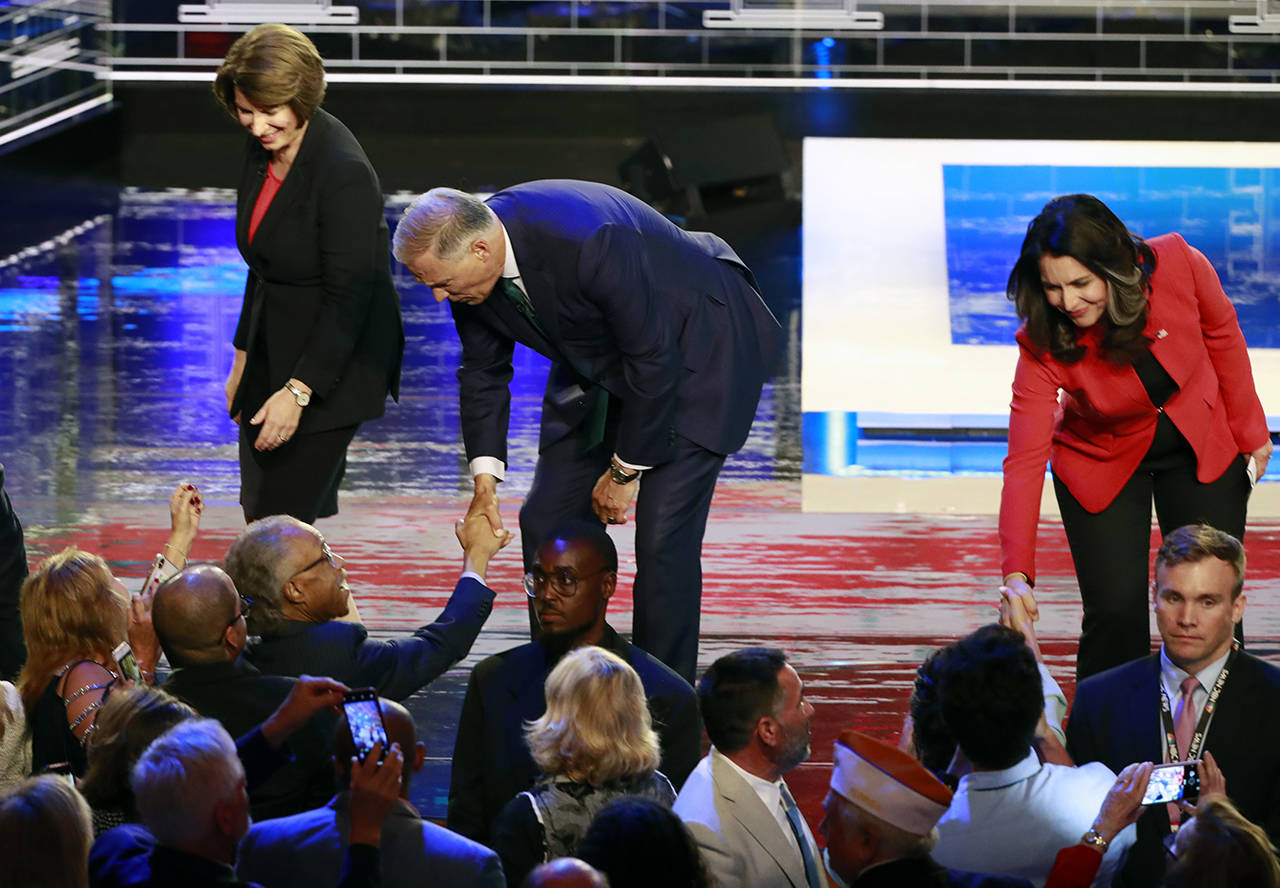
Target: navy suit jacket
[[305, 851], [924, 872], [319, 304], [1116, 720], [491, 762], [395, 668], [665, 320]]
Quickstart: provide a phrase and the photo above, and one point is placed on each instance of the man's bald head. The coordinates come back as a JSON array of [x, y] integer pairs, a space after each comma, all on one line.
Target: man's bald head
[[567, 872], [194, 614], [400, 729]]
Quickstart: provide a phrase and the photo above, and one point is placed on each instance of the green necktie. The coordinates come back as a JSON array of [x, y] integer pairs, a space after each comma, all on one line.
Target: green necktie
[[520, 302]]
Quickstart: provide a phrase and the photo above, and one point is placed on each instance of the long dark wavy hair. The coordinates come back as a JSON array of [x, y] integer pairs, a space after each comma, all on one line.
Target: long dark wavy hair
[[1084, 228]]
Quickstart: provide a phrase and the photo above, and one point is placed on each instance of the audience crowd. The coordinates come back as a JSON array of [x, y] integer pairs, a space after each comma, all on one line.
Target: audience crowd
[[193, 734]]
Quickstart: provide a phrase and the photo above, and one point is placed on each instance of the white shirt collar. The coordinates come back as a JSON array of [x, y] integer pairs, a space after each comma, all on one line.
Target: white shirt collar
[[1171, 676], [770, 792], [983, 780], [509, 267]]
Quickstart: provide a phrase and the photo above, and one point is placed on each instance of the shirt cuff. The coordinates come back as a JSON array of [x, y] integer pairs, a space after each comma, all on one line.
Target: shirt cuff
[[632, 467], [475, 576], [488, 465]]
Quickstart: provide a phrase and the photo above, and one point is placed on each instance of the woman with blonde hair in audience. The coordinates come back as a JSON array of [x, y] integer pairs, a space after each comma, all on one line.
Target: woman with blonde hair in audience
[[126, 725], [44, 835], [75, 614], [1221, 848], [595, 744]]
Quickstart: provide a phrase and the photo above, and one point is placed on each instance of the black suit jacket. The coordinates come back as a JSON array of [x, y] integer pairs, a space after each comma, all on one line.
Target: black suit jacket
[[319, 304], [491, 763], [1116, 720], [241, 698], [13, 570], [924, 872], [396, 668], [667, 321]]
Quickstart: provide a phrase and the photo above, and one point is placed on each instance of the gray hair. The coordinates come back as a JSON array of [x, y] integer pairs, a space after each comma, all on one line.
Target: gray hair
[[181, 779], [444, 220], [256, 564]]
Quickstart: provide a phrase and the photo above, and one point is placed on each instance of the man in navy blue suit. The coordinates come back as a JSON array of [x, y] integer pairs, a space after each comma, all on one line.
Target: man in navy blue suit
[[659, 345]]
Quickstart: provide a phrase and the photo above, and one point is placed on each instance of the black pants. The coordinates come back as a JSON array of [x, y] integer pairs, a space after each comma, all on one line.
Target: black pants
[[298, 478], [671, 516], [1112, 548]]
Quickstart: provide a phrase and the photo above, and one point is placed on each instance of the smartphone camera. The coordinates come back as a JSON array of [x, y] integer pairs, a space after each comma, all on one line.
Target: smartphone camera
[[364, 718], [1174, 782]]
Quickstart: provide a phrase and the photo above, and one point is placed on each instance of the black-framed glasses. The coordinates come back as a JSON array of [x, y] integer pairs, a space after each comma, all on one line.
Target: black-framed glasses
[[326, 554], [563, 580], [246, 605]]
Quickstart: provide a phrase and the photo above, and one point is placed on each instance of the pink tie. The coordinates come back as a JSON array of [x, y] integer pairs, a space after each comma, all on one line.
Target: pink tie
[[1184, 720], [1184, 728]]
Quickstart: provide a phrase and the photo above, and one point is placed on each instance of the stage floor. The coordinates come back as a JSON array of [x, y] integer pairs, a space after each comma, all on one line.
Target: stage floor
[[113, 349]]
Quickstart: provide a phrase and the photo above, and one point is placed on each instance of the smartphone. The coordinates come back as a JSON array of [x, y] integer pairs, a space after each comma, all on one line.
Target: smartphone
[[1174, 782], [128, 666], [364, 718]]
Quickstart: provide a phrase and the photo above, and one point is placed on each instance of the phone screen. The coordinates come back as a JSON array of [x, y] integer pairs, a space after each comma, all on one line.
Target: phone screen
[[364, 717], [126, 662], [1172, 783]]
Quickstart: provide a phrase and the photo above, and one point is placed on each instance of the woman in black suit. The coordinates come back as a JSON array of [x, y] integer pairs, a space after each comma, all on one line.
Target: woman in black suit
[[319, 341]]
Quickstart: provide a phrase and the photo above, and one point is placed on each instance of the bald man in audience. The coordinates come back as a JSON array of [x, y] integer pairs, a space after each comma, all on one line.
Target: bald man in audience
[[199, 618], [301, 604], [306, 849], [566, 872]]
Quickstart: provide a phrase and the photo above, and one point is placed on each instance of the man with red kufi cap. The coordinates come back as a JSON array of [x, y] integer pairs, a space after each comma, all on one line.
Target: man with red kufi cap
[[879, 821]]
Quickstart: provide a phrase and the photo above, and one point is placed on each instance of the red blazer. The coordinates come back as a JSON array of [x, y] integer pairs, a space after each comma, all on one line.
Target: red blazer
[[1096, 434]]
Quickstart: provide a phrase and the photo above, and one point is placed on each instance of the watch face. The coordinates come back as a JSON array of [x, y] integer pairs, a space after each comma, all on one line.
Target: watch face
[[303, 399]]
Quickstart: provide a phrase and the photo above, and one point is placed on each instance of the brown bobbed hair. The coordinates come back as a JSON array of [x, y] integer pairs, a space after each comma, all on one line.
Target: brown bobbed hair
[[597, 726], [1225, 850], [130, 719], [69, 612], [45, 834], [273, 65], [1084, 228]]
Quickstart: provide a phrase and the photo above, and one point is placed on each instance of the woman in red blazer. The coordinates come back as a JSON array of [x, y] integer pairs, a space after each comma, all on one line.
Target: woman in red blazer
[[1133, 382], [320, 339]]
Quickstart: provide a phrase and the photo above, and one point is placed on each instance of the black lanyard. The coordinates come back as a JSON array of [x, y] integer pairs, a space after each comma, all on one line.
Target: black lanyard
[[1202, 726]]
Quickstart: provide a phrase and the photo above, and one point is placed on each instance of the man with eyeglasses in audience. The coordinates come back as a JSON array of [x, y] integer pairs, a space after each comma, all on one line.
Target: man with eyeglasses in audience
[[303, 609], [199, 618], [574, 575]]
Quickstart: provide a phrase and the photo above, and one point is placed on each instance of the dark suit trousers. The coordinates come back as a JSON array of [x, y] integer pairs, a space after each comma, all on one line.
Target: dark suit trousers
[[1112, 549], [671, 517]]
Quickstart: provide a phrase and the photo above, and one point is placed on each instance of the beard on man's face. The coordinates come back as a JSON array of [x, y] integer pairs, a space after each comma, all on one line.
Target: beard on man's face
[[560, 641]]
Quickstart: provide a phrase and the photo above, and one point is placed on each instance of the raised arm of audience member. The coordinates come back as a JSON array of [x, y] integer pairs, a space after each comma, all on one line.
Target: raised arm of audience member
[[262, 751], [13, 570], [185, 508], [1050, 738], [1076, 866], [479, 543], [375, 789]]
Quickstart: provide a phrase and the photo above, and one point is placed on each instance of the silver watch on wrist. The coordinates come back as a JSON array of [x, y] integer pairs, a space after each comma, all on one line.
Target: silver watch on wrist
[[301, 398], [1095, 840], [619, 475]]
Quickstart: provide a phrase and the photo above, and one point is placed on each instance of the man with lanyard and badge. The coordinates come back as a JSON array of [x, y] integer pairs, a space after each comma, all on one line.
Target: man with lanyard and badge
[[1200, 698]]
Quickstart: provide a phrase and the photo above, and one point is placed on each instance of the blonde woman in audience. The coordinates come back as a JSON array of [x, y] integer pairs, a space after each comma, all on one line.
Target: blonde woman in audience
[[595, 744], [44, 835], [75, 615]]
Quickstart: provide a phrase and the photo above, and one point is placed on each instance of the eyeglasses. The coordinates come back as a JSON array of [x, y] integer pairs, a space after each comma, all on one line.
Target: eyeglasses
[[564, 580], [246, 605], [326, 554]]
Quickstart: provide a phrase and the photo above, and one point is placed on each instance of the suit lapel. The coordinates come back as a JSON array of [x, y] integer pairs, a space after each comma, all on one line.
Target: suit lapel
[[750, 813]]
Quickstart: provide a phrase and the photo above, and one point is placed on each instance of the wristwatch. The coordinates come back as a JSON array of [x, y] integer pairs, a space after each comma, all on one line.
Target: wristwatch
[[299, 396], [1093, 839], [619, 475]]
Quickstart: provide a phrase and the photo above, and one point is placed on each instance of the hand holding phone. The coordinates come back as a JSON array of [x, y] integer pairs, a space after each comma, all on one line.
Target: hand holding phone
[[364, 719], [1174, 782]]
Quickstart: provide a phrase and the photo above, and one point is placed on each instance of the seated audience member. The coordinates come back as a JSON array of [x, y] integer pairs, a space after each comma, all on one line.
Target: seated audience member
[[639, 843], [1012, 813], [575, 575], [925, 735], [595, 743], [299, 589], [1077, 865], [200, 621], [1123, 715], [735, 803], [567, 872], [189, 786], [15, 743], [13, 570], [1220, 847], [305, 850], [44, 835], [127, 724], [74, 614], [879, 821]]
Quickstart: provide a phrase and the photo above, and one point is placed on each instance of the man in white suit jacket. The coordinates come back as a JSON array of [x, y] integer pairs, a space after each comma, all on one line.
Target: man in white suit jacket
[[735, 803]]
